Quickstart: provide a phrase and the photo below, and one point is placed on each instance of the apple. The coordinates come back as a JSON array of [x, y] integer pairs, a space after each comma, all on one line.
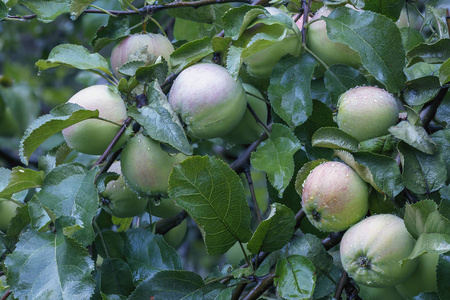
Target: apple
[[119, 200], [146, 167], [366, 112], [261, 62], [93, 136], [164, 208], [208, 99], [7, 212], [140, 47], [329, 52], [373, 249], [383, 293], [334, 197], [175, 236], [423, 279], [248, 130]]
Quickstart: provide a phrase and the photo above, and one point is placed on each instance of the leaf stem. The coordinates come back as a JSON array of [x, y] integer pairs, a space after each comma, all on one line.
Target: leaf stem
[[103, 10], [101, 238], [248, 175], [6, 295]]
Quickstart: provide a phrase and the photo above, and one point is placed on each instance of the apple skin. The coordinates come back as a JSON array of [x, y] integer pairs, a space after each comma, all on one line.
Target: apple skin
[[373, 293], [175, 236], [329, 52], [122, 201], [334, 197], [166, 208], [366, 112], [209, 101], [371, 251], [93, 136], [248, 130], [261, 63], [140, 47], [7, 212], [423, 279], [146, 167]]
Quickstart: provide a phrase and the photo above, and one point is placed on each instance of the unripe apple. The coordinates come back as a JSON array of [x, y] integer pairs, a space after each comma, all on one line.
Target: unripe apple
[[93, 136], [366, 112], [164, 208], [261, 62], [146, 167], [140, 47], [175, 236], [248, 130], [7, 212], [382, 293], [423, 279], [119, 199], [372, 251], [334, 197], [319, 43], [208, 99]]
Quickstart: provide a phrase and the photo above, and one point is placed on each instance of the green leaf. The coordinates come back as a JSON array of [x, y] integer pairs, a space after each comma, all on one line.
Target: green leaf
[[415, 136], [211, 291], [416, 216], [380, 171], [203, 14], [190, 53], [22, 179], [78, 6], [116, 278], [290, 88], [295, 277], [172, 285], [443, 275], [69, 191], [38, 215], [54, 158], [3, 11], [274, 232], [47, 10], [422, 90], [432, 243], [411, 38], [334, 138], [444, 72], [434, 53], [310, 246], [442, 138], [421, 69], [340, 78], [275, 156], [214, 197], [147, 74], [422, 173], [114, 243], [389, 8], [45, 126], [39, 254], [377, 40], [237, 19], [74, 56], [160, 122], [304, 172], [116, 28], [444, 206], [19, 222], [382, 145]]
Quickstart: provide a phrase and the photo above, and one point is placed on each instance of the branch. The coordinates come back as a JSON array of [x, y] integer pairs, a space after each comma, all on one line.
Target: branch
[[429, 110], [164, 225]]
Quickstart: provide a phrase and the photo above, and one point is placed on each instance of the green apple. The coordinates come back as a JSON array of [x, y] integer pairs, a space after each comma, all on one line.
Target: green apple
[[208, 99], [423, 279], [372, 251], [248, 130], [366, 112], [119, 200], [93, 136], [146, 167], [383, 293], [280, 41], [175, 236], [164, 208], [7, 212], [140, 47], [319, 43], [334, 197]]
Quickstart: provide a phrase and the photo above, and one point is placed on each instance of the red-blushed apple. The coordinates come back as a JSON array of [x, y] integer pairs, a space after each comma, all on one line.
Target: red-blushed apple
[[140, 47], [93, 136], [208, 99], [248, 130], [373, 249], [366, 112], [119, 199], [146, 167], [7, 212], [334, 197], [175, 236]]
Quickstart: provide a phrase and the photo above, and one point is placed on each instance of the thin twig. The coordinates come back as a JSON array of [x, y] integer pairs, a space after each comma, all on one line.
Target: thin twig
[[342, 283], [164, 225], [6, 295]]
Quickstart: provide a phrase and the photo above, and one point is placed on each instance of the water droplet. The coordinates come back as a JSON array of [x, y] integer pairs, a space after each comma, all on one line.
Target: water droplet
[[139, 140], [148, 149], [21, 171], [73, 16]]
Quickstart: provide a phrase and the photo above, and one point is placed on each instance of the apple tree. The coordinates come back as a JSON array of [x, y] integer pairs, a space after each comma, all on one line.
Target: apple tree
[[222, 149]]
